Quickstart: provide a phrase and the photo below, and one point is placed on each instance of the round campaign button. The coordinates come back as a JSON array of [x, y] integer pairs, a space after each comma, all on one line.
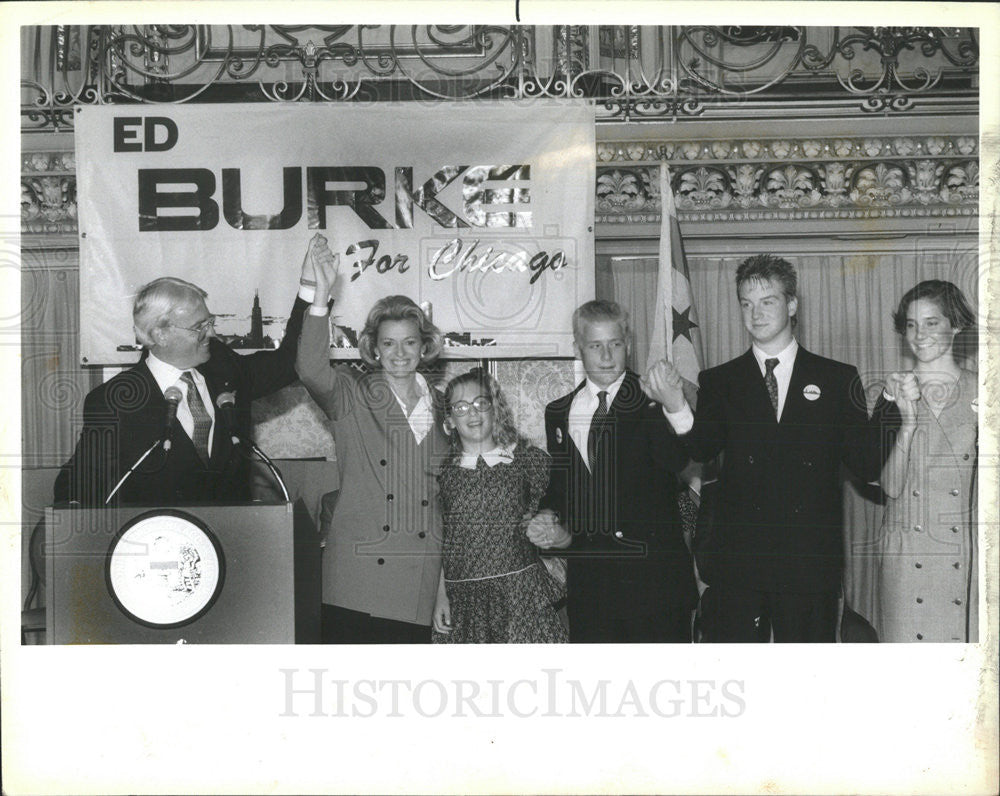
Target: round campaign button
[[811, 392]]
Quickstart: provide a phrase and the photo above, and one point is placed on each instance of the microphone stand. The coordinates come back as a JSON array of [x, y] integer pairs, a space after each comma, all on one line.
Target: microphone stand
[[140, 460], [173, 398], [267, 461], [225, 403]]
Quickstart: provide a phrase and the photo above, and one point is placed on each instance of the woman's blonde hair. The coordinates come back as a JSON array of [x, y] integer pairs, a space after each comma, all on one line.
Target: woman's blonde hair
[[399, 308]]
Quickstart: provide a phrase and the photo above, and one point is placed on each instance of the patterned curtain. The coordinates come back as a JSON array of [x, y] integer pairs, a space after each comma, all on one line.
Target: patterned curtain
[[53, 385], [631, 281]]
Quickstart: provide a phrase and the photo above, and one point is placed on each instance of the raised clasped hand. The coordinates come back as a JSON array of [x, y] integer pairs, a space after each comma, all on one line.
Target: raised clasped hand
[[663, 383], [320, 267]]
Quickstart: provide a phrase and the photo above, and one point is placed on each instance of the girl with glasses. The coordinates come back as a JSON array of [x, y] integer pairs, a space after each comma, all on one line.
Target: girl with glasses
[[494, 587]]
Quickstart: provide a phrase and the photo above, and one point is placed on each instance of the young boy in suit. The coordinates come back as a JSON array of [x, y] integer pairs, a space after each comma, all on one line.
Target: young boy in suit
[[612, 497]]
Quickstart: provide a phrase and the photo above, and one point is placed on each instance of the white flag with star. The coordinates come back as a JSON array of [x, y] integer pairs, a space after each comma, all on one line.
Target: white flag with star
[[676, 334]]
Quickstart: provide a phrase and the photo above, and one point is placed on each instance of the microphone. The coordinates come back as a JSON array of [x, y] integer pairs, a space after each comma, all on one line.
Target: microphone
[[225, 402], [173, 397]]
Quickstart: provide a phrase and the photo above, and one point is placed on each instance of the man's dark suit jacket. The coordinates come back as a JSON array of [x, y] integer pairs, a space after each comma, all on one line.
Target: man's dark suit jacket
[[635, 560], [778, 522], [126, 415]]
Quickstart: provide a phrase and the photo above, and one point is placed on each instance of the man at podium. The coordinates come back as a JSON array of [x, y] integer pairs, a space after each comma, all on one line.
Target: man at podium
[[171, 417]]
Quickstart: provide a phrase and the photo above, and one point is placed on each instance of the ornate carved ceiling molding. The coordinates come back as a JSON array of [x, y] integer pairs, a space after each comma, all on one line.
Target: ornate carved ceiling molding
[[780, 149], [791, 179]]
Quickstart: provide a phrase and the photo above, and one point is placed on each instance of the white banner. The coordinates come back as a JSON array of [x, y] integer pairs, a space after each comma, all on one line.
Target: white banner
[[482, 211]]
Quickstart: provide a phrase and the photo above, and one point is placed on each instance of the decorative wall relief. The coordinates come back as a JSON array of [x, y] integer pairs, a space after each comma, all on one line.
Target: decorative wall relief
[[837, 178], [627, 190], [825, 149], [48, 192]]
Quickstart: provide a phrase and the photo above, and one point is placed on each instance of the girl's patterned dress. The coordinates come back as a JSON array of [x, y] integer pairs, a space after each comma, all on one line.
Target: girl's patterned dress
[[498, 588]]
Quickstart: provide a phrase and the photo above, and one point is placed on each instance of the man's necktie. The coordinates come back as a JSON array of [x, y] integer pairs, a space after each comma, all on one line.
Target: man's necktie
[[772, 382], [202, 420], [596, 424]]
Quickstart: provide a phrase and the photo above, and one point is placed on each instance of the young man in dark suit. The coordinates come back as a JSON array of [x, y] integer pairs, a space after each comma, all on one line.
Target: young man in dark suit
[[612, 496], [785, 420], [125, 416]]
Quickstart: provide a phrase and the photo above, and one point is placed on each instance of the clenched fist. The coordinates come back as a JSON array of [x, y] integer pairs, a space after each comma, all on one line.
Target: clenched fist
[[906, 391]]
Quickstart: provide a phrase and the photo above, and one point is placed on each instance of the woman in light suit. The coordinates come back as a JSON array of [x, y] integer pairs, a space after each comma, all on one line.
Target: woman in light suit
[[382, 559], [928, 589]]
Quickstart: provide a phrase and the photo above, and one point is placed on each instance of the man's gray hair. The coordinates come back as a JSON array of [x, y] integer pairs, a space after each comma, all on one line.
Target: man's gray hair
[[156, 300]]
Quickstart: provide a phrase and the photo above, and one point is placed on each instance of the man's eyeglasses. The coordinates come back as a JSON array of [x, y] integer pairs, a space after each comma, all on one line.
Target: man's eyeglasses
[[482, 405], [201, 329]]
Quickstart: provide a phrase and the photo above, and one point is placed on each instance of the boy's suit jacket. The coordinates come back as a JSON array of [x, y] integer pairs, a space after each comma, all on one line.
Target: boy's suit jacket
[[628, 550], [778, 520]]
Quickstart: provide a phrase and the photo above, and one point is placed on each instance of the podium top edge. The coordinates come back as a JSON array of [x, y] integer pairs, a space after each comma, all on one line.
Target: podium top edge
[[154, 507]]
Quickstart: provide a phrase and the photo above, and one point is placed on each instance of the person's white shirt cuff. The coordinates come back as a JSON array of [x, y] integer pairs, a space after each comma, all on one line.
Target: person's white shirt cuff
[[307, 293], [682, 421]]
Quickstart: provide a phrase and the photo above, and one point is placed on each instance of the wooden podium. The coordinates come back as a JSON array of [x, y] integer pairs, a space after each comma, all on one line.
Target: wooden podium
[[199, 574]]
